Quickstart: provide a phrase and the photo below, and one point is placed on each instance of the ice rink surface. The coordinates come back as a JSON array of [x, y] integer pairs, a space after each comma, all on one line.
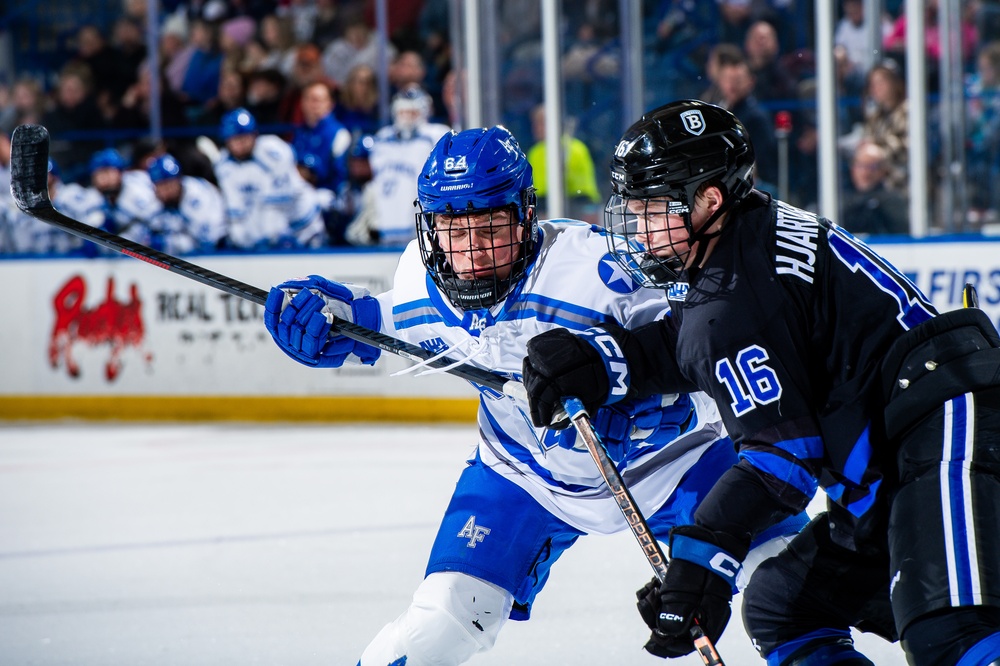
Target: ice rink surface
[[167, 545]]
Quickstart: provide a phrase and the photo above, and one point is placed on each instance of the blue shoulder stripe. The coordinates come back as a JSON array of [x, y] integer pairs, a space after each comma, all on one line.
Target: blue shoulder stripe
[[859, 458], [415, 313]]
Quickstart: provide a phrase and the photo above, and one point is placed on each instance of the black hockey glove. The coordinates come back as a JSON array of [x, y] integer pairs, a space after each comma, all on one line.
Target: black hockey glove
[[698, 586], [561, 364]]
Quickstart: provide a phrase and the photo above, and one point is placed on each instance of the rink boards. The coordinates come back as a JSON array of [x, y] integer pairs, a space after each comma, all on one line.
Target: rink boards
[[116, 338]]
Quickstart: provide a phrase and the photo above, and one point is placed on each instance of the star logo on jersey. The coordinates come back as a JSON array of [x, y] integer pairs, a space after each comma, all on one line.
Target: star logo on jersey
[[474, 533], [614, 276]]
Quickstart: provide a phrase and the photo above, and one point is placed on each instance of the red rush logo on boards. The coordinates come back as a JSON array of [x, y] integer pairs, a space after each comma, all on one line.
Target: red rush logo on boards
[[113, 323]]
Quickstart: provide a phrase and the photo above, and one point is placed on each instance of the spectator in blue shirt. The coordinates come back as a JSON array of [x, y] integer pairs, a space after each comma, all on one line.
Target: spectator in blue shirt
[[201, 80], [321, 144]]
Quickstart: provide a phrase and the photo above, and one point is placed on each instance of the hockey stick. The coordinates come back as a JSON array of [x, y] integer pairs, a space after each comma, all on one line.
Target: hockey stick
[[633, 516], [29, 188], [29, 154]]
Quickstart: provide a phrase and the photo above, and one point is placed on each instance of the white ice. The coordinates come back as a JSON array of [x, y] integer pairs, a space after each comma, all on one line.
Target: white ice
[[221, 544]]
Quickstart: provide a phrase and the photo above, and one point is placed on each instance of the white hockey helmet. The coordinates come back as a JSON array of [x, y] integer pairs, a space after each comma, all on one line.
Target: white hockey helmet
[[411, 107]]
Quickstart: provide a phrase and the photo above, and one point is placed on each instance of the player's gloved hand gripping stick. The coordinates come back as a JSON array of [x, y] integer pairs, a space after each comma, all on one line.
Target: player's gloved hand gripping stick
[[604, 379], [633, 516], [29, 187]]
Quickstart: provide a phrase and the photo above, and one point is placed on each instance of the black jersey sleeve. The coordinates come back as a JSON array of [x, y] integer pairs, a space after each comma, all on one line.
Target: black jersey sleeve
[[743, 504], [650, 351]]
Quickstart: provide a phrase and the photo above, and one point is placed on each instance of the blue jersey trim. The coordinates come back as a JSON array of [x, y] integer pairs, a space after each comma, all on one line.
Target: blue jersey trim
[[785, 650], [519, 453], [430, 314], [859, 506], [914, 308], [788, 527], [782, 469], [859, 458], [558, 305], [803, 448], [982, 653], [956, 498]]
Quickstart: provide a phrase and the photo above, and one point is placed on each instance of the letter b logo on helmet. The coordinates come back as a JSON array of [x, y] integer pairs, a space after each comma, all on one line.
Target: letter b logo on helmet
[[693, 121]]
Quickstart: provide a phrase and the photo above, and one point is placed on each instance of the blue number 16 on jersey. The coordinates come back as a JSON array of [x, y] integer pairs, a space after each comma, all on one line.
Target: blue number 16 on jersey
[[749, 381]]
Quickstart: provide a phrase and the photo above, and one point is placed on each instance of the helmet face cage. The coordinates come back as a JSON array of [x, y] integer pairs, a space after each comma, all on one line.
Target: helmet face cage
[[476, 226], [476, 257], [639, 240], [664, 159]]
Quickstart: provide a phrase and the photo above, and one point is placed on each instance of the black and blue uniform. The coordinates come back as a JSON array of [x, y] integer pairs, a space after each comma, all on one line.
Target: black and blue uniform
[[831, 370]]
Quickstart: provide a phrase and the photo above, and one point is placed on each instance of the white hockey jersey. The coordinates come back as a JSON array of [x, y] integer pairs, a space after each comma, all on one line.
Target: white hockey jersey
[[197, 224], [268, 204], [21, 233], [396, 162], [578, 285], [135, 204]]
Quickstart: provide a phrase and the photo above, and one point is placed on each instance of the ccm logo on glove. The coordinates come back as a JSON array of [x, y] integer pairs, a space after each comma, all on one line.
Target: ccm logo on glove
[[614, 361], [726, 566]]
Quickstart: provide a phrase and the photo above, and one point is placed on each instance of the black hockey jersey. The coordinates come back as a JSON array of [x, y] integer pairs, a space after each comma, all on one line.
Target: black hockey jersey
[[786, 326]]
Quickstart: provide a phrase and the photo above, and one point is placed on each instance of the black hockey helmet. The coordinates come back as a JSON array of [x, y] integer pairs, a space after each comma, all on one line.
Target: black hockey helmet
[[671, 152]]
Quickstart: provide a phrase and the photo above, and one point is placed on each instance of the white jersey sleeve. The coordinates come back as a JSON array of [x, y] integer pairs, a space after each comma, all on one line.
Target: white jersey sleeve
[[136, 202], [204, 211], [578, 285], [80, 203], [268, 204]]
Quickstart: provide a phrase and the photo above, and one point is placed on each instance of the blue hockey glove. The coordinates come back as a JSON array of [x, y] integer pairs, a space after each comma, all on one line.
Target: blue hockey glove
[[699, 585], [634, 424], [299, 313], [589, 366]]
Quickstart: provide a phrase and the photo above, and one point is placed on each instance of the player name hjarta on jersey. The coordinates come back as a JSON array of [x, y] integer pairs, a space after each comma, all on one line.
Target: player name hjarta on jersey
[[797, 231]]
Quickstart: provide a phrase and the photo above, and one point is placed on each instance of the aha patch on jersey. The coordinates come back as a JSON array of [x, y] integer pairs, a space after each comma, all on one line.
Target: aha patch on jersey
[[614, 276], [677, 291]]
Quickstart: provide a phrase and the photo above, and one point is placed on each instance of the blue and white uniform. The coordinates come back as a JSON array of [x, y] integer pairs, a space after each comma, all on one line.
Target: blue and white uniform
[[196, 224], [581, 286], [268, 204], [127, 212], [135, 204], [23, 234], [387, 203], [482, 278], [523, 499]]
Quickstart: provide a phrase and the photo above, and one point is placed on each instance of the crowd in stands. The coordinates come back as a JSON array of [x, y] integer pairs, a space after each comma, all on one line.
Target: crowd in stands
[[272, 136]]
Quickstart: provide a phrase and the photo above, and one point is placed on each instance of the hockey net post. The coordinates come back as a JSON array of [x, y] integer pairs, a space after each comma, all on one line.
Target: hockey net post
[[578, 416], [30, 190]]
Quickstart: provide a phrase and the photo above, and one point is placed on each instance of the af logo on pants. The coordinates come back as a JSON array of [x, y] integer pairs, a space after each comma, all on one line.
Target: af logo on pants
[[474, 533]]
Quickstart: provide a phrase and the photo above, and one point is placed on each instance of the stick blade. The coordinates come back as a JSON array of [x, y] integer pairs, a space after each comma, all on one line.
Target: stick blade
[[29, 167]]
